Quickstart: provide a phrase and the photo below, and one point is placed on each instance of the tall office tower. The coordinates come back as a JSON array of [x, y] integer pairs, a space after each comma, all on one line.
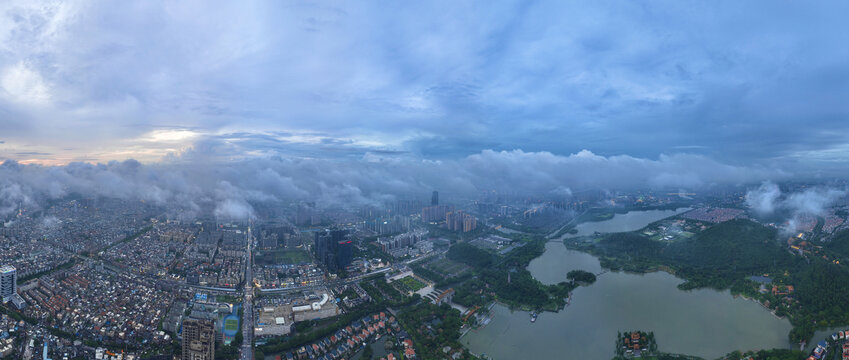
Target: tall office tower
[[323, 247], [334, 249], [344, 253], [305, 213], [8, 282], [434, 199], [198, 340]]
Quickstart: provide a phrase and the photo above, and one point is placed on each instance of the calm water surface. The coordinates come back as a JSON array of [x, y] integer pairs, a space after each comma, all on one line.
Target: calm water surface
[[704, 323], [634, 220]]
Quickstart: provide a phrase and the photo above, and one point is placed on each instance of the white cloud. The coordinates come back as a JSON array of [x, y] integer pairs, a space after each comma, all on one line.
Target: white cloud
[[230, 189], [763, 199], [768, 199], [25, 85]]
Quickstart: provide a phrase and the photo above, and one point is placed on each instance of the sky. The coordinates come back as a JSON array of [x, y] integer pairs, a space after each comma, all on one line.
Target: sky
[[675, 91]]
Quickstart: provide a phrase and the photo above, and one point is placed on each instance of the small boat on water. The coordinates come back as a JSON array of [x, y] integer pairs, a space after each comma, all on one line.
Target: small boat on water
[[534, 316]]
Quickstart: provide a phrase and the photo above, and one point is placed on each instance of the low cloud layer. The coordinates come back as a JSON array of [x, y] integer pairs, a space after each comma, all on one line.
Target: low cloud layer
[[768, 199], [763, 199], [191, 183]]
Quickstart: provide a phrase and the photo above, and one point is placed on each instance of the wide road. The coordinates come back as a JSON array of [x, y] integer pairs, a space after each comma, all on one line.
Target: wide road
[[247, 352]]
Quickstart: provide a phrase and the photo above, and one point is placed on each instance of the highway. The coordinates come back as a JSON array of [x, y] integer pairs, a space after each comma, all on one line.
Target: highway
[[247, 351]]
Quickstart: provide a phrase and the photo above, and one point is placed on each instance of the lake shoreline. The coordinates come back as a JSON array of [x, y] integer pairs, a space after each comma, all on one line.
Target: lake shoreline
[[628, 301]]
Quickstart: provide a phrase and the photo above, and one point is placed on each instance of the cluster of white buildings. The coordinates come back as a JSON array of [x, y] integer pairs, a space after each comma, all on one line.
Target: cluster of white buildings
[[411, 243]]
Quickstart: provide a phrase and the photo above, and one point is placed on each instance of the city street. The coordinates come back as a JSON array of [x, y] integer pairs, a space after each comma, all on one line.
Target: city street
[[248, 321]]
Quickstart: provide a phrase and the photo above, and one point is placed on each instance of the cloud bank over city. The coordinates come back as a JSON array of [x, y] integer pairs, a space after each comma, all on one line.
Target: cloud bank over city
[[233, 187], [769, 200]]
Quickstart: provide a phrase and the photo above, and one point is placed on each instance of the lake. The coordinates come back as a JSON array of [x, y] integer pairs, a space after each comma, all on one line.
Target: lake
[[634, 220], [705, 323]]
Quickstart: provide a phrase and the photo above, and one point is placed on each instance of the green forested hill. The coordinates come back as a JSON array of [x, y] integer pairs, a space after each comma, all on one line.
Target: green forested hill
[[730, 251], [839, 244], [724, 255], [715, 258]]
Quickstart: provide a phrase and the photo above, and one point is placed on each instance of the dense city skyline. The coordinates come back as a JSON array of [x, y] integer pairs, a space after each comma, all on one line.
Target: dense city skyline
[[435, 180]]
